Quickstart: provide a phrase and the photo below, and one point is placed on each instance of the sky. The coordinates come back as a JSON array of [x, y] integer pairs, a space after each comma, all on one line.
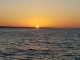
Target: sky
[[45, 13]]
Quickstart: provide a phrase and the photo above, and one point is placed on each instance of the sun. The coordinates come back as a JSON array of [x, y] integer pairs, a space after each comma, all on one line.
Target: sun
[[37, 26]]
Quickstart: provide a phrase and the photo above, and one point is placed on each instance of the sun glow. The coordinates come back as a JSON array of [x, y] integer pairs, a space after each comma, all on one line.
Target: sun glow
[[37, 26]]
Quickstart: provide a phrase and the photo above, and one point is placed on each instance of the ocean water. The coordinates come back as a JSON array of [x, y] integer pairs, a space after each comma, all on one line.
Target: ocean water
[[39, 44]]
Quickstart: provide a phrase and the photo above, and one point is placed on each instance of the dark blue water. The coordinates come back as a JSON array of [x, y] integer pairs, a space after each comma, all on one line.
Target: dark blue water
[[39, 44]]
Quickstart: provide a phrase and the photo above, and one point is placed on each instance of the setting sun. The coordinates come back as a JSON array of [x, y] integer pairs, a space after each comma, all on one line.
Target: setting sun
[[37, 26]]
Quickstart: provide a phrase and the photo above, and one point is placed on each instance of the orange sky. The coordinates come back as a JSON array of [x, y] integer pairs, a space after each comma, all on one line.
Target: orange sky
[[45, 13]]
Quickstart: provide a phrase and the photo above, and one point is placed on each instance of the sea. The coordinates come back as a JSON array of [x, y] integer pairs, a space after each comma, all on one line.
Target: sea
[[39, 44]]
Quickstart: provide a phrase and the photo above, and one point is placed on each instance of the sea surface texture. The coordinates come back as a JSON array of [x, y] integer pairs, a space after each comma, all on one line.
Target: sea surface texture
[[39, 44]]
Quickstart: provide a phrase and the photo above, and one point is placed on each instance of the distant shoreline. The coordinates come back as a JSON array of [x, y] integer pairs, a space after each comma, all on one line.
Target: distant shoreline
[[14, 27], [34, 27], [20, 27]]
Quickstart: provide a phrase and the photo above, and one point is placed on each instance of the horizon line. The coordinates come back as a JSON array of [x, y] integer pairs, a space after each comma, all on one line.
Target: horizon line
[[32, 27]]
